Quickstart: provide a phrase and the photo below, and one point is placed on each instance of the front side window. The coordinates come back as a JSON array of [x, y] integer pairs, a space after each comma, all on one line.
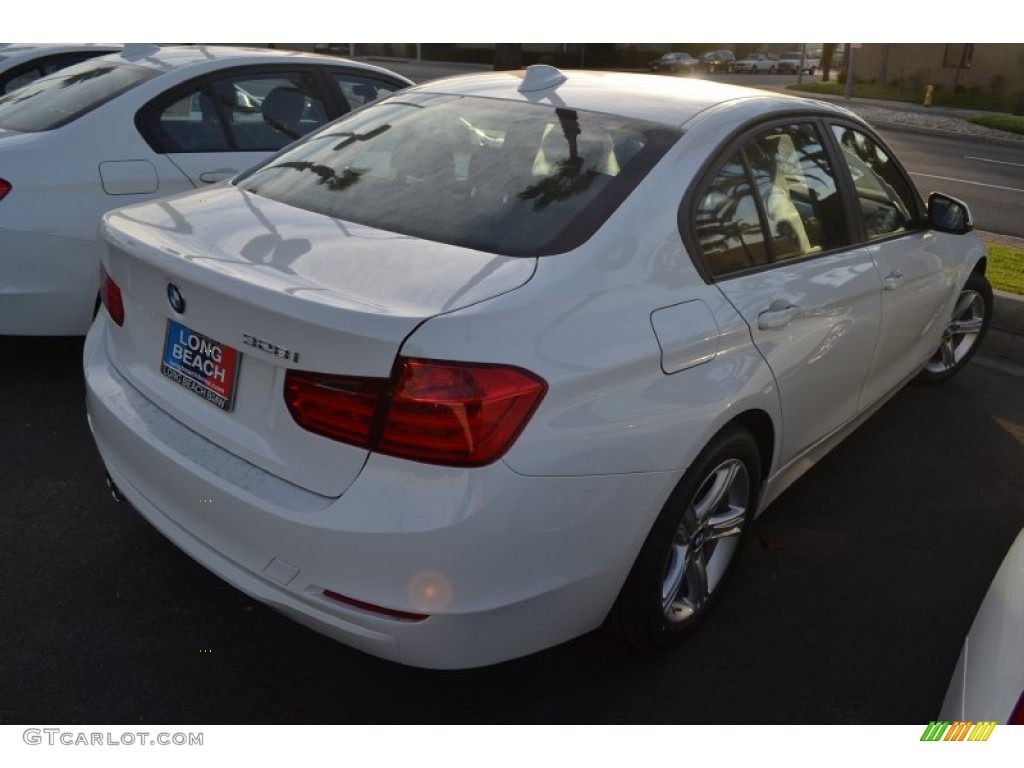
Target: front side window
[[774, 199], [507, 178], [357, 90], [56, 100], [885, 198]]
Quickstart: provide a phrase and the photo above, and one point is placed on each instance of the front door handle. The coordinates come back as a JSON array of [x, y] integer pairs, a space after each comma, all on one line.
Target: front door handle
[[893, 280], [780, 314]]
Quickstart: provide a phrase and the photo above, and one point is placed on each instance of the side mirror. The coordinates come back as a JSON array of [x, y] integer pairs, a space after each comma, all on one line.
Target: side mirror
[[947, 214]]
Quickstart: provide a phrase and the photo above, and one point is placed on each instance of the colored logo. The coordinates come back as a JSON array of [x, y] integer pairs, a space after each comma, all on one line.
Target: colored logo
[[174, 296], [943, 730]]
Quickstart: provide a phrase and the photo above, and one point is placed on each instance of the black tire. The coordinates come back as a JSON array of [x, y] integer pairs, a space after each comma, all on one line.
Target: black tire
[[683, 564], [968, 324]]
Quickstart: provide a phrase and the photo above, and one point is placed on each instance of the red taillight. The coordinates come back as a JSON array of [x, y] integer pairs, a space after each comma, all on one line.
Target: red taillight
[[5, 187], [339, 407], [1017, 716], [110, 295], [457, 414]]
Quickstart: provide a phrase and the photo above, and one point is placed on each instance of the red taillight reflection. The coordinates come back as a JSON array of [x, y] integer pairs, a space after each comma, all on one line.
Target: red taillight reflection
[[1017, 716], [5, 187], [456, 414], [110, 295], [391, 613]]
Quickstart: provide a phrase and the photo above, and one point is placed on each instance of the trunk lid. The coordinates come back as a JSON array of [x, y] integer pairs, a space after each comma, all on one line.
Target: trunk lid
[[285, 288]]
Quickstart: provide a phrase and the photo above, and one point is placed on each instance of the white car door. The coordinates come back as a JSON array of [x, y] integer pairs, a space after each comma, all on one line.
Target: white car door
[[773, 237], [917, 273]]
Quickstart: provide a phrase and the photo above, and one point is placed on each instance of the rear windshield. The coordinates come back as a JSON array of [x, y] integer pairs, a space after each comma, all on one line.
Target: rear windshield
[[68, 94], [508, 178]]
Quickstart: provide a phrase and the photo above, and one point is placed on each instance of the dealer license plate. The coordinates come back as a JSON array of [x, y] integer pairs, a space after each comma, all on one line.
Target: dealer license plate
[[201, 364]]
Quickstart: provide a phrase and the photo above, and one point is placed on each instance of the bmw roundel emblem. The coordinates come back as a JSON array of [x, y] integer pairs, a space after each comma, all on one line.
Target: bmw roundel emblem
[[175, 298]]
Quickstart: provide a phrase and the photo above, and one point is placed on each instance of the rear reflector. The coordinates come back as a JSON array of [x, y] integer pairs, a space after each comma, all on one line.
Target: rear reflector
[[390, 613], [451, 413], [5, 187], [110, 295]]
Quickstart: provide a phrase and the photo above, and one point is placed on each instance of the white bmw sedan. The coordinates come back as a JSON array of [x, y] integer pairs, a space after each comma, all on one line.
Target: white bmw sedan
[[136, 126], [505, 357]]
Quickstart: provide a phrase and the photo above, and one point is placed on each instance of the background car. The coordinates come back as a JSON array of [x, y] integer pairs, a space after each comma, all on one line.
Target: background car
[[674, 63], [988, 682], [134, 126], [718, 61], [20, 64], [505, 357], [796, 62], [758, 63]]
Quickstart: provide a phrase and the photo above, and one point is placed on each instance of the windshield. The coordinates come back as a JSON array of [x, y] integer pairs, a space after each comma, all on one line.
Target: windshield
[[503, 177], [56, 100]]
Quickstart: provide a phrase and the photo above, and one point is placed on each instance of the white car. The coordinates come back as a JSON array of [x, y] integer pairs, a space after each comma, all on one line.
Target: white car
[[136, 126], [988, 682], [757, 64], [506, 356], [20, 64]]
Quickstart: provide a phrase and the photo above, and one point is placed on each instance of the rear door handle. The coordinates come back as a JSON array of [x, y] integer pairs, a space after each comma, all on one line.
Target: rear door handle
[[780, 314], [212, 177]]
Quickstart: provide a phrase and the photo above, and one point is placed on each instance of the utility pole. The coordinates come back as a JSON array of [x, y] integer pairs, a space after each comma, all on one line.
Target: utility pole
[[849, 58]]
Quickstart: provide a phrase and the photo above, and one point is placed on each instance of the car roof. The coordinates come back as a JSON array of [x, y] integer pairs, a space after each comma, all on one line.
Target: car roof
[[201, 57], [669, 101]]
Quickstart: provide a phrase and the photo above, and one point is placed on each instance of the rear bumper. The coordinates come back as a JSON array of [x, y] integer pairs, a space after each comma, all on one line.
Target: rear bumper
[[503, 565]]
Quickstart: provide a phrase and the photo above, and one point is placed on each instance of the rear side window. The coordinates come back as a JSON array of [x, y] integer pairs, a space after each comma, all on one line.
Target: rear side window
[[775, 199], [507, 178], [244, 113], [65, 96]]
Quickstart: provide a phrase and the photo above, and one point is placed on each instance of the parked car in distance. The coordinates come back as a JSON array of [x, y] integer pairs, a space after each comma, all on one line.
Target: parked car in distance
[[759, 63], [504, 357], [718, 61], [674, 63], [796, 62], [988, 682], [21, 63], [139, 125]]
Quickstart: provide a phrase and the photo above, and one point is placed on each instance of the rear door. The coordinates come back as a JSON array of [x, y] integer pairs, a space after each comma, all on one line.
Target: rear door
[[772, 234]]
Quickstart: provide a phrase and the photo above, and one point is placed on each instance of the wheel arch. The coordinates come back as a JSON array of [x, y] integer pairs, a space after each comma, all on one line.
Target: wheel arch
[[759, 424]]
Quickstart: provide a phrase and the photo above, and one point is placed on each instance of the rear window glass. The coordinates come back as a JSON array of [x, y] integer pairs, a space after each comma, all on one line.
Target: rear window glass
[[68, 94], [507, 178]]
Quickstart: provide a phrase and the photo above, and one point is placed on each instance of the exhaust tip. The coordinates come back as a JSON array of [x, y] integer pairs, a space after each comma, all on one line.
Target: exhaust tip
[[114, 490]]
